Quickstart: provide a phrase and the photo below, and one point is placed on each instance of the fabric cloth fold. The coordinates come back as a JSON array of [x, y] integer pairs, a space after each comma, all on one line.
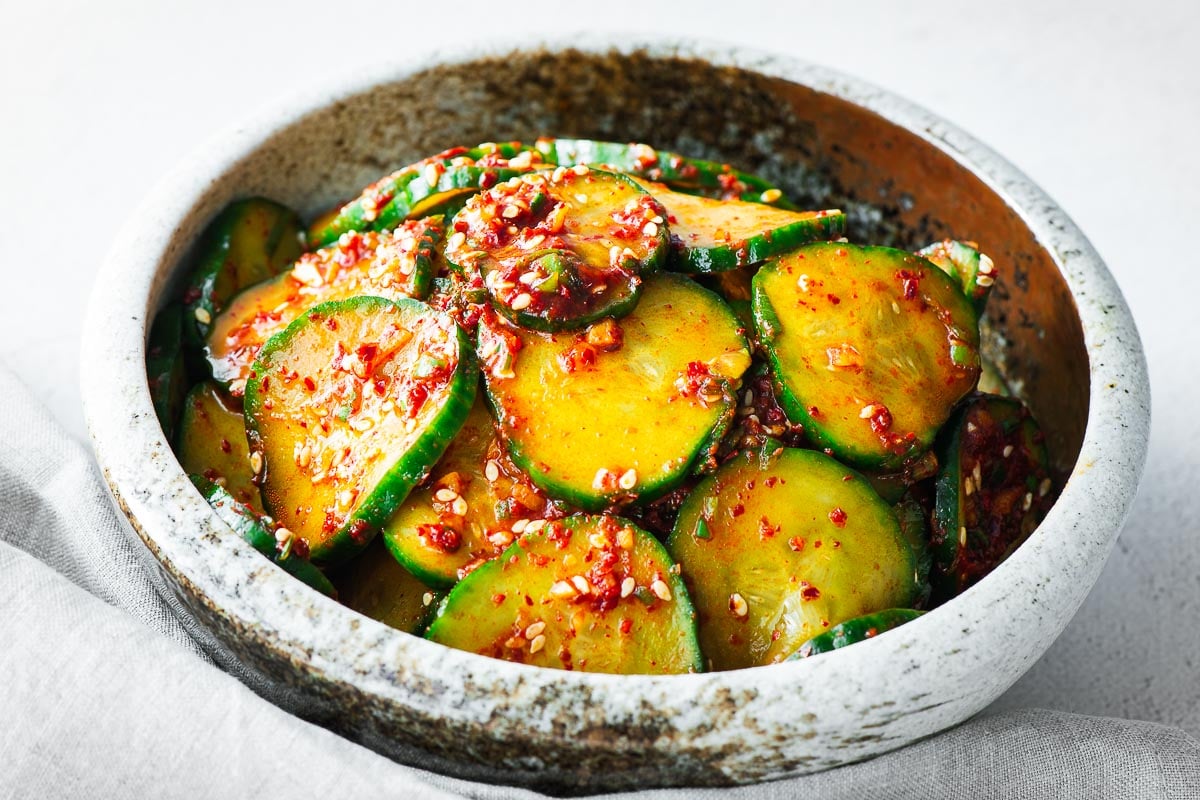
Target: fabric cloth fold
[[105, 693]]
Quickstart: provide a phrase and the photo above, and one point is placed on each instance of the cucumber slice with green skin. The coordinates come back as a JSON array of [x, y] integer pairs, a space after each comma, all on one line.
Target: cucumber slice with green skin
[[871, 348], [856, 630], [721, 235], [776, 547], [393, 265], [892, 486], [430, 186], [471, 508], [595, 594], [250, 241], [346, 411], [165, 368], [601, 429], [974, 271], [462, 297], [991, 381], [914, 524], [561, 250], [374, 585], [678, 172], [993, 490], [212, 443], [261, 532]]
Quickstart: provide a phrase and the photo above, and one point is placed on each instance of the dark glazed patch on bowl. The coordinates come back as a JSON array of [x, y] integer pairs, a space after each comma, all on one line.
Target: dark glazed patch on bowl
[[827, 152]]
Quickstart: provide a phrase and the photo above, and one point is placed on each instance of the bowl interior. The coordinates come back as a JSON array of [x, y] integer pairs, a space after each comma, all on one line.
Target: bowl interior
[[899, 189]]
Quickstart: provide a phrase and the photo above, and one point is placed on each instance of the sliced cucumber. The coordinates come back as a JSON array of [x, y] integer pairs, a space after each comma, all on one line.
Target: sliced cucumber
[[462, 297], [973, 270], [374, 585], [914, 524], [678, 172], [853, 631], [993, 489], [263, 534], [346, 411], [394, 264], [597, 428], [594, 594], [871, 348], [777, 547], [212, 443], [249, 242], [430, 186], [165, 369], [721, 235], [991, 381], [467, 511], [560, 250]]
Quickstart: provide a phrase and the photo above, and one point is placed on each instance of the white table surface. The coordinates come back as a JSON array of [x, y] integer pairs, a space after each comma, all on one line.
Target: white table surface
[[1101, 107]]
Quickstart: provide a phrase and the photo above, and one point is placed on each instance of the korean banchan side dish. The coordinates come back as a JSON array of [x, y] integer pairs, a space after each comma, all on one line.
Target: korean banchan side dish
[[596, 406]]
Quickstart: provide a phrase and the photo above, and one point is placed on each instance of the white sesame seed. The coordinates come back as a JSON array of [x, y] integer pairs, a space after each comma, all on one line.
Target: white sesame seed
[[984, 280], [627, 586], [535, 629], [1008, 450], [660, 589], [562, 589], [237, 387], [537, 644], [459, 507], [510, 212], [1028, 502], [431, 174], [522, 301], [986, 265], [802, 282], [895, 307], [1044, 487], [580, 169], [601, 479], [282, 534], [581, 584], [519, 525], [978, 473], [491, 471], [256, 462], [770, 195], [445, 495], [535, 525], [739, 606], [625, 538], [650, 229], [866, 412], [628, 479], [427, 598], [202, 315], [968, 486], [962, 536], [599, 540]]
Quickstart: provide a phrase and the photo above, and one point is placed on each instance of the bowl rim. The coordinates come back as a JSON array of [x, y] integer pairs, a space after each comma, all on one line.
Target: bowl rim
[[129, 444]]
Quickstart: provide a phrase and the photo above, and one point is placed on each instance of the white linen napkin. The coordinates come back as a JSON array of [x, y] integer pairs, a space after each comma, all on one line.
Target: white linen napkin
[[103, 693]]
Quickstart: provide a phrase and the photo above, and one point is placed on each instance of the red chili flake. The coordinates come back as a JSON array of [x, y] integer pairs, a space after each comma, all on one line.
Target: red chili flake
[[226, 446], [737, 510], [211, 475], [833, 298], [765, 529], [330, 323], [816, 544], [358, 530], [813, 411], [380, 387], [838, 517], [808, 591], [775, 635], [796, 543], [266, 383], [881, 419], [770, 482], [626, 625], [528, 600], [366, 353], [329, 525], [539, 560], [416, 397], [299, 547], [911, 282], [310, 384], [191, 295], [441, 537], [498, 598]]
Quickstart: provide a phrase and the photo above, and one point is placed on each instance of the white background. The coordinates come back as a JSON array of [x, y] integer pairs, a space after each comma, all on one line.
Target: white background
[[1098, 102]]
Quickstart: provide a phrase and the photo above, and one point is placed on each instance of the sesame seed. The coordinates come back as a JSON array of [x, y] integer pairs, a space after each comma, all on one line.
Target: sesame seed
[[627, 586], [456, 240], [1008, 450], [628, 479], [625, 538], [535, 629], [515, 643], [562, 589], [599, 540], [520, 525], [202, 315], [970, 427], [660, 589], [802, 282], [427, 598], [978, 473], [770, 195], [431, 175], [535, 526], [657, 219], [282, 535], [962, 536], [1028, 502], [521, 301], [866, 412], [580, 169], [459, 507], [1044, 487], [581, 584], [510, 212], [500, 538], [650, 229], [256, 462], [537, 644], [581, 198], [984, 280], [237, 387], [895, 307], [601, 479], [491, 471], [968, 486], [445, 495], [986, 265], [739, 606]]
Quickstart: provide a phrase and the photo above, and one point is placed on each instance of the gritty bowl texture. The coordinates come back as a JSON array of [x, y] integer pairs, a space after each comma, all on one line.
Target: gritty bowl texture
[[1057, 324]]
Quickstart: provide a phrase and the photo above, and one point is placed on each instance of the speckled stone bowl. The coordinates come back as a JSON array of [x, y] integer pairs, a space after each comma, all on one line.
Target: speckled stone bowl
[[1058, 324]]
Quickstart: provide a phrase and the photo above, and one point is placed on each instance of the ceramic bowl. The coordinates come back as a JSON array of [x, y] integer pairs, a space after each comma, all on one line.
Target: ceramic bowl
[[1057, 324]]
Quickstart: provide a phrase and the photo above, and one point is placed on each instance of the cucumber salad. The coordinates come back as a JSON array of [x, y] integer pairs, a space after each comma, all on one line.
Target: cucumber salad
[[596, 406]]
